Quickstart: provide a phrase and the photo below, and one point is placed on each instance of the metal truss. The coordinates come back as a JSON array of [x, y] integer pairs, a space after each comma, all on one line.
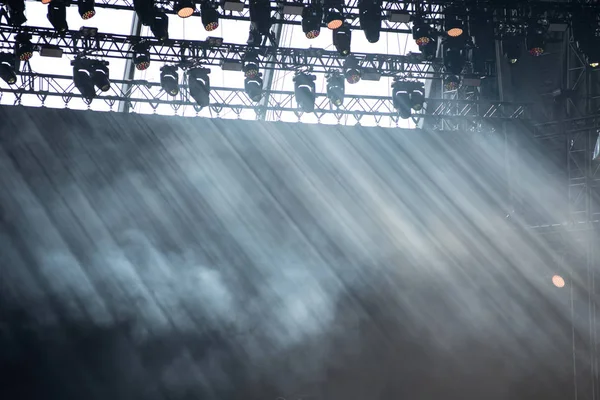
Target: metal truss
[[106, 45], [368, 110]]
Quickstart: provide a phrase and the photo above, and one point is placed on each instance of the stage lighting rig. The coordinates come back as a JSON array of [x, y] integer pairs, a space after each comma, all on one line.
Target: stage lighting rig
[[342, 39], [304, 91], [23, 46], [184, 8], [8, 68], [141, 55], [199, 85], [352, 70], [209, 15], [370, 19], [312, 14], [260, 21], [335, 88], [16, 12], [334, 13], [57, 15], [86, 8], [169, 79]]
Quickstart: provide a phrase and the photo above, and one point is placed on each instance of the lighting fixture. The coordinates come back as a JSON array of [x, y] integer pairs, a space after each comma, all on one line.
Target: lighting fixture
[[260, 21], [100, 75], [7, 68], [536, 40], [511, 50], [253, 87], [342, 39], [333, 16], [401, 98], [209, 16], [251, 62], [453, 24], [311, 20], [199, 85], [304, 91], [370, 19], [160, 26], [83, 78], [169, 79], [145, 11], [57, 15], [184, 8], [451, 82], [454, 55], [16, 12], [141, 56], [417, 96], [352, 70], [335, 88], [86, 8], [23, 46], [421, 32], [429, 50]]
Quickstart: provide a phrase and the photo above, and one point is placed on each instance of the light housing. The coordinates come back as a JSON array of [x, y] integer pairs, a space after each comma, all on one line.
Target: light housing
[[141, 56], [57, 15], [199, 85], [421, 32], [352, 70], [253, 87], [335, 88], [454, 55], [16, 12], [210, 16], [169, 79], [429, 50], [260, 21], [86, 8], [23, 47], [312, 15], [100, 75], [184, 8], [451, 82], [536, 39], [83, 78], [342, 39], [251, 64], [8, 68], [370, 19], [511, 50], [160, 25], [304, 91], [401, 98], [333, 15]]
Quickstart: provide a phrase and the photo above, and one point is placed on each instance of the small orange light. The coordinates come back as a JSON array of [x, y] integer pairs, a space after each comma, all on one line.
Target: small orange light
[[185, 12], [455, 32], [46, 1], [335, 24], [558, 281]]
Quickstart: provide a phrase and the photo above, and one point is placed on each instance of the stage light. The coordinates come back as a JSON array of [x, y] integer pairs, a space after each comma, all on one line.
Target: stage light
[[23, 46], [253, 87], [536, 39], [86, 8], [370, 19], [417, 96], [7, 68], [511, 49], [454, 55], [83, 78], [251, 64], [169, 79], [342, 38], [57, 15], [333, 17], [210, 16], [199, 85], [401, 98], [160, 26], [429, 50], [312, 15], [421, 32], [16, 12], [453, 24], [304, 91], [184, 8], [451, 82], [100, 75], [352, 70], [260, 21], [141, 56], [335, 88]]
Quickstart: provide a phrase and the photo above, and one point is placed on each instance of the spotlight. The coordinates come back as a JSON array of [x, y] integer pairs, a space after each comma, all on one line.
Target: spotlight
[[304, 91], [454, 55], [184, 8], [312, 15], [417, 96], [199, 85], [141, 56], [453, 24], [401, 98], [370, 19], [342, 39], [511, 49], [536, 40], [83, 78], [251, 65], [253, 87], [209, 16], [86, 8], [7, 68], [429, 50], [351, 70], [169, 79], [57, 15], [335, 88], [334, 18], [145, 11], [260, 21], [16, 12], [421, 32], [160, 25], [452, 82], [23, 47], [100, 75]]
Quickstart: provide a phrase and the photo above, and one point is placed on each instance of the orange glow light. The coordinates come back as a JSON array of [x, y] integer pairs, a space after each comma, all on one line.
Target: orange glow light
[[558, 281]]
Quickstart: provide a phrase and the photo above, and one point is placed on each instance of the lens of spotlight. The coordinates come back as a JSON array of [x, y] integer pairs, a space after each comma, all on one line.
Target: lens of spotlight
[[209, 16], [342, 39], [57, 15], [184, 8], [311, 20], [253, 88], [199, 85], [86, 8], [46, 1], [169, 80], [451, 83], [558, 281], [335, 89]]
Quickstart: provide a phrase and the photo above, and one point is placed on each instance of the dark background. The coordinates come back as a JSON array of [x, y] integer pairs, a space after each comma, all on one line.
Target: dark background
[[150, 257]]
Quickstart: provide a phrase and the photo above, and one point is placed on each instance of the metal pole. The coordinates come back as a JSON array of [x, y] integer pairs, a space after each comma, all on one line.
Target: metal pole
[[270, 73], [129, 75]]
